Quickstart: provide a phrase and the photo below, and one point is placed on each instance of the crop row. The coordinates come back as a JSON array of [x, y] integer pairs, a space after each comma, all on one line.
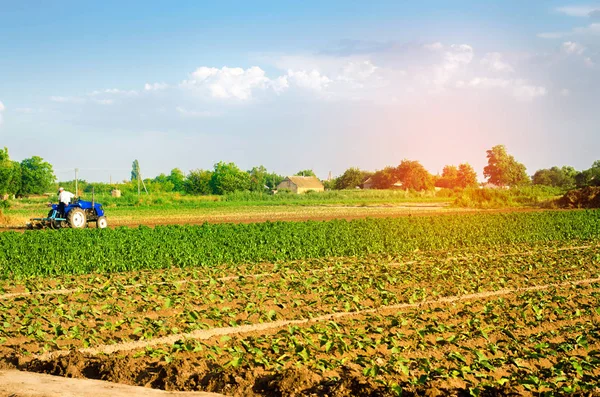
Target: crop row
[[53, 253], [105, 310], [540, 342]]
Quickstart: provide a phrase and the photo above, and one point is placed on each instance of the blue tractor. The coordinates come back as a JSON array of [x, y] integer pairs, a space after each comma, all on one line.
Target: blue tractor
[[77, 215]]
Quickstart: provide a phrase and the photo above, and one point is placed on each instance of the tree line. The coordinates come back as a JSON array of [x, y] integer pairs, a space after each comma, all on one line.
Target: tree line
[[36, 176]]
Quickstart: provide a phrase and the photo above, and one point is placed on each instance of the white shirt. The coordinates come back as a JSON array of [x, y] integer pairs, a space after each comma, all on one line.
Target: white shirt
[[65, 197]]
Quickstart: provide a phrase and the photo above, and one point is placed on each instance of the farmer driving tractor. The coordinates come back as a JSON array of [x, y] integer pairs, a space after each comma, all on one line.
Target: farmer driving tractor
[[64, 199]]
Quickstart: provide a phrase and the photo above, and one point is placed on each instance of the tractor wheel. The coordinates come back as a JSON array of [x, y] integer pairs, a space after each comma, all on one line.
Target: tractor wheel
[[77, 218], [101, 223]]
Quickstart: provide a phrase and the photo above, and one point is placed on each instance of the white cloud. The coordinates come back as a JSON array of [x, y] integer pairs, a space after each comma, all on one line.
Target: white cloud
[[520, 89], [357, 72], [589, 62], [434, 46], [228, 82], [155, 86], [113, 91], [565, 92], [484, 82], [578, 11], [494, 61], [2, 108], [312, 80], [66, 99], [527, 92], [571, 47], [455, 58], [592, 29]]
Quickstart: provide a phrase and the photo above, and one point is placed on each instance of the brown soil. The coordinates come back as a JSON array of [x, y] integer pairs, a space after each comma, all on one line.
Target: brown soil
[[588, 197], [194, 371], [292, 217]]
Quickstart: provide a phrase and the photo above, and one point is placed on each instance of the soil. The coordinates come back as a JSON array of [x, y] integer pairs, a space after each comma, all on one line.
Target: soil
[[349, 213], [588, 197], [474, 308], [189, 371]]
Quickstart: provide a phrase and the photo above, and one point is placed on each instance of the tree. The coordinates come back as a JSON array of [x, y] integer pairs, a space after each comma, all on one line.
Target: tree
[[135, 170], [467, 177], [272, 180], [198, 182], [449, 177], [177, 179], [414, 176], [557, 177], [350, 179], [10, 174], [589, 177], [258, 179], [228, 178], [161, 183], [385, 178], [503, 169], [305, 173], [37, 176]]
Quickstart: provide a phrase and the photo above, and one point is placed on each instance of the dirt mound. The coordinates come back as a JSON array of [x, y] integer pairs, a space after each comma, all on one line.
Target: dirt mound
[[588, 197]]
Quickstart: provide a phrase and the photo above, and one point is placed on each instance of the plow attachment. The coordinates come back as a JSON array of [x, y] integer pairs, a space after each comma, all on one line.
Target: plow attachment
[[53, 221]]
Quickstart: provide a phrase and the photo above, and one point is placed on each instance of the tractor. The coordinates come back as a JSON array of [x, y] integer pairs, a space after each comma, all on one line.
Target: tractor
[[76, 215]]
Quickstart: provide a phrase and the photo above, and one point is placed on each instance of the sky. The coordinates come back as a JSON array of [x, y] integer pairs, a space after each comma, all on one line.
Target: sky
[[322, 85]]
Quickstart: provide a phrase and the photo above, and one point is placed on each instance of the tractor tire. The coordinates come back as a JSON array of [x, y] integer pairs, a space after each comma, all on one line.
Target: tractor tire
[[101, 222], [77, 218]]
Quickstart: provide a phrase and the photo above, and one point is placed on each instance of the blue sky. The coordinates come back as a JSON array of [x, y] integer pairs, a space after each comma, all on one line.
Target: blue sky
[[293, 85]]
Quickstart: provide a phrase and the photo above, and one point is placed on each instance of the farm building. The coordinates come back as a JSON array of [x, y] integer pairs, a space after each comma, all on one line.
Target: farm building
[[301, 184], [369, 184]]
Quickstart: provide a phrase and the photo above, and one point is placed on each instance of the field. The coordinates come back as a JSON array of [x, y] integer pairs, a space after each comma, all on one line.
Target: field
[[175, 208], [494, 304]]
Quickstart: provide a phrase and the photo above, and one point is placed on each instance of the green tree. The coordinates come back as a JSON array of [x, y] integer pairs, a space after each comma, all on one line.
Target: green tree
[[273, 179], [350, 179], [37, 176], [177, 178], [161, 183], [385, 178], [305, 173], [589, 177], [449, 177], [467, 177], [414, 176], [258, 179], [10, 174], [198, 182], [135, 170], [228, 178], [503, 169], [558, 177]]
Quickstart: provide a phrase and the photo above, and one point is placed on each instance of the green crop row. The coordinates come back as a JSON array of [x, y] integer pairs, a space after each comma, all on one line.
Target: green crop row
[[49, 253]]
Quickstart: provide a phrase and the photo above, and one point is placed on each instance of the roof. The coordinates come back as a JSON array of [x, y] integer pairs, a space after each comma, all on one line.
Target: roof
[[310, 182]]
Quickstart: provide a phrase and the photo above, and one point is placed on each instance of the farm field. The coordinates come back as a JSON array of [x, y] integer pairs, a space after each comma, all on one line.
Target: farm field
[[168, 215], [483, 304]]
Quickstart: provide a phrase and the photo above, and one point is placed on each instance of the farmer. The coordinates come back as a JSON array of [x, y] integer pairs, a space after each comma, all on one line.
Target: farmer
[[64, 198]]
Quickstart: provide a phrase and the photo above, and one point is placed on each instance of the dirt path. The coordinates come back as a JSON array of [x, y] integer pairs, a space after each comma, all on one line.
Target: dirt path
[[210, 333], [26, 384]]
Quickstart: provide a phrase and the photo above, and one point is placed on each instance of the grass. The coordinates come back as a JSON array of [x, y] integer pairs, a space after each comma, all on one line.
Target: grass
[[254, 206]]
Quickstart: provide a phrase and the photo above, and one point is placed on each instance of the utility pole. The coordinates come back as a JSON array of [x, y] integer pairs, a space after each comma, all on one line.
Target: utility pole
[[76, 171]]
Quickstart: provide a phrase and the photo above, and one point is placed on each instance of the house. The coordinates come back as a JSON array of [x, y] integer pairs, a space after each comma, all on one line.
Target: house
[[369, 184], [301, 184]]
